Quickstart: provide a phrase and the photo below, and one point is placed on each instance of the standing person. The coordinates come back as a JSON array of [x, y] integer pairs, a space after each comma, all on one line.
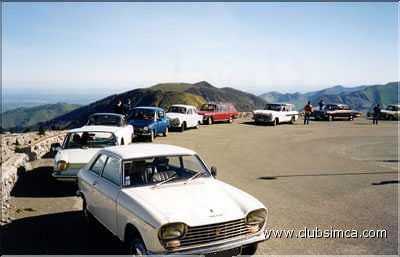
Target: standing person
[[321, 104], [128, 105], [119, 108], [308, 109], [377, 113]]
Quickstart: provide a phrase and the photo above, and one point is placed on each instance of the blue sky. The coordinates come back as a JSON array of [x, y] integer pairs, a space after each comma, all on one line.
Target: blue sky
[[257, 47]]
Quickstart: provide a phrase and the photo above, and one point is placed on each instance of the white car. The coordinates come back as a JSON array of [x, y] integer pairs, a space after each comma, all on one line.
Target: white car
[[276, 113], [81, 144], [163, 199], [391, 112], [184, 116], [115, 120]]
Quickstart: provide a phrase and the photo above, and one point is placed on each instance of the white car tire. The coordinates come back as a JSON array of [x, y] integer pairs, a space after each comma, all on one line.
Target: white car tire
[[183, 126]]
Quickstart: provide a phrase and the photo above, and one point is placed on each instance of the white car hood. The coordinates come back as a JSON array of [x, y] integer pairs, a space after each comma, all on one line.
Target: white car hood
[[76, 155], [200, 202], [173, 115]]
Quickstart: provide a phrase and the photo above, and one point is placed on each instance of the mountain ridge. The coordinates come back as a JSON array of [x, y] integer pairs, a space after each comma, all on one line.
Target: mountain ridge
[[360, 98]]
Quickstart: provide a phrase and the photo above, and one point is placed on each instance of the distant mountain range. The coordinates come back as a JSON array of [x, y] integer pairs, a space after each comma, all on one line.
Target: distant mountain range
[[23, 117], [68, 116], [360, 98]]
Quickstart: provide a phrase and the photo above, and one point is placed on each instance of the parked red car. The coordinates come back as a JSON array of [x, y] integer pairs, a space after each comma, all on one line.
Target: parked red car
[[215, 112]]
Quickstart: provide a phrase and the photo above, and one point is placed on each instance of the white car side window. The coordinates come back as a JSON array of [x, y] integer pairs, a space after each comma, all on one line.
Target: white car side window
[[97, 167], [112, 171]]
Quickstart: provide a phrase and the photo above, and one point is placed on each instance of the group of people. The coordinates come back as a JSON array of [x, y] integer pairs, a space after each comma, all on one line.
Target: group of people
[[308, 109], [122, 108]]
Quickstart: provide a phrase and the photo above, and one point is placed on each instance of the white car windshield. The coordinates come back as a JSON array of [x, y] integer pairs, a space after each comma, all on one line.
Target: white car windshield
[[154, 170], [177, 109], [106, 120], [273, 107], [89, 140]]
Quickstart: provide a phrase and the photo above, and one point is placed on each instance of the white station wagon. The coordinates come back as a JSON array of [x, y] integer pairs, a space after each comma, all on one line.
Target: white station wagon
[[184, 116], [276, 113], [163, 199], [81, 144]]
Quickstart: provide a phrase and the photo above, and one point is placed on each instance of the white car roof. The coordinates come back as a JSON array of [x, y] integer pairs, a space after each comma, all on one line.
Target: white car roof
[[183, 105], [95, 128], [143, 150], [282, 104]]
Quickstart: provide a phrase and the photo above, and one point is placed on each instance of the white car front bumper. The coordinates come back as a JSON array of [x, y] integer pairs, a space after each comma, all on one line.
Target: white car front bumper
[[218, 246]]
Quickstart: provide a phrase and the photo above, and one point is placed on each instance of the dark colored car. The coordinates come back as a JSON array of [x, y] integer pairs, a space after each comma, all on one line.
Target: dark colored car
[[335, 111], [148, 122], [216, 112]]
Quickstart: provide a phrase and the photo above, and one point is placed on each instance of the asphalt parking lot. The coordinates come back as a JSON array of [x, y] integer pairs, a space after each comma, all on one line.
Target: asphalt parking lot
[[341, 174]]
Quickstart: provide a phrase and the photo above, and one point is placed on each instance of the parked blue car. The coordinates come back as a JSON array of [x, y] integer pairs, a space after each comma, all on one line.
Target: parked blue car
[[148, 122]]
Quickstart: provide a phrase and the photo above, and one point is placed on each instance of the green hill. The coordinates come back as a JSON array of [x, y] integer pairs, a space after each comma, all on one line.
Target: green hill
[[27, 116], [175, 87]]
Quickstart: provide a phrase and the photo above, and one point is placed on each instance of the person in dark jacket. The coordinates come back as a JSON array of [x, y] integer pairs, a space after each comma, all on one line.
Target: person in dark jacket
[[376, 114], [119, 108], [321, 104], [308, 109], [128, 106]]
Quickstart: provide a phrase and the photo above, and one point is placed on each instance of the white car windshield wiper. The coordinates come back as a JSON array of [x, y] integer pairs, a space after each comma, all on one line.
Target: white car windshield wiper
[[195, 176], [165, 181]]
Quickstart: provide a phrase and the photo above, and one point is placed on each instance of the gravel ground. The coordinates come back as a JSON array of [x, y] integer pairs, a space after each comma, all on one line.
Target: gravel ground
[[338, 174]]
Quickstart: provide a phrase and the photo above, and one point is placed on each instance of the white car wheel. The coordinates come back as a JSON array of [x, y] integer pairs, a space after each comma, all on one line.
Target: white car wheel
[[183, 126]]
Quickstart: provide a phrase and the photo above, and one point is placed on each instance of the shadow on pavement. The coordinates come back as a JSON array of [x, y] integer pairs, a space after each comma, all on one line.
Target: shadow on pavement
[[252, 123], [385, 182], [60, 233], [39, 183], [327, 174]]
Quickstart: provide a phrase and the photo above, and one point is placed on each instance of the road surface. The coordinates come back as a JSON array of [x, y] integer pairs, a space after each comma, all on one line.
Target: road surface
[[341, 175]]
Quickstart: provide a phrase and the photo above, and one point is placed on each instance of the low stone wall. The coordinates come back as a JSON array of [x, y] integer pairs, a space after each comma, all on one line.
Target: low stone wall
[[9, 176], [17, 151]]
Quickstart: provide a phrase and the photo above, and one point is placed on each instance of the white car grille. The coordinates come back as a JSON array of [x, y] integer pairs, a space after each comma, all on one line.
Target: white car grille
[[214, 232], [266, 117]]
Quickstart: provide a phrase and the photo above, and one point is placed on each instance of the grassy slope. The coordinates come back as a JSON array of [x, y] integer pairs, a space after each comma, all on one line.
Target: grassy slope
[[23, 117], [175, 87]]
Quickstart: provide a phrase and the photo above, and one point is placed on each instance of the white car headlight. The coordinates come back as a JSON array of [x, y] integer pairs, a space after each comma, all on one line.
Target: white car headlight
[[172, 231], [255, 220]]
